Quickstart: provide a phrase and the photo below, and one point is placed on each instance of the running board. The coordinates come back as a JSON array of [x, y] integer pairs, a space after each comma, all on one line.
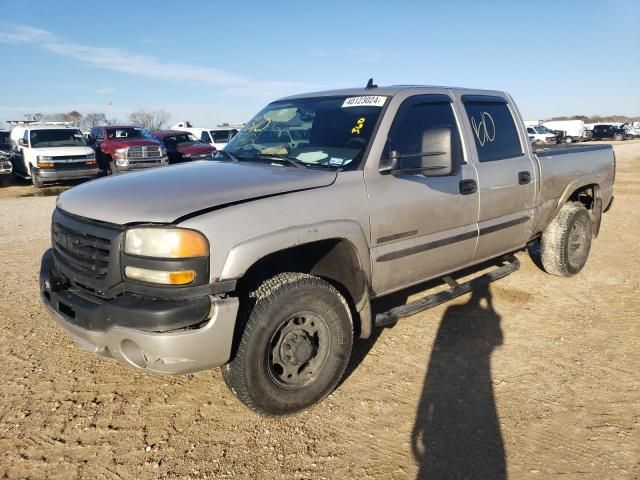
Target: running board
[[509, 264]]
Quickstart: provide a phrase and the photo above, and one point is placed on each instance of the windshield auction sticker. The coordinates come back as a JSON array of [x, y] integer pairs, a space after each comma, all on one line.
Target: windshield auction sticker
[[367, 101]]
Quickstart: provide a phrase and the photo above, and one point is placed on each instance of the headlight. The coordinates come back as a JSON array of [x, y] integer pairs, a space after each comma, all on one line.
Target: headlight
[[44, 161], [120, 153], [165, 243], [163, 151]]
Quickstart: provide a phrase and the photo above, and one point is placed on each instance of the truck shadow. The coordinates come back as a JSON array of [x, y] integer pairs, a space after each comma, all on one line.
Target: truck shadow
[[457, 431]]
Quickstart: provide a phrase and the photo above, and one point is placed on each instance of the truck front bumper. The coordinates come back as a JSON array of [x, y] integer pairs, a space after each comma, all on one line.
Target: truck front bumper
[[53, 175], [160, 335], [141, 164]]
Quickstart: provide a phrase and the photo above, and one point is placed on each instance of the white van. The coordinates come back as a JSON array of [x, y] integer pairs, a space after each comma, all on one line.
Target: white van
[[217, 137], [573, 129], [51, 153]]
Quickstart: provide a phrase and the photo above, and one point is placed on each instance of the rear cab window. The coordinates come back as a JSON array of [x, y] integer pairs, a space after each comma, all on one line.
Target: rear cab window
[[493, 128]]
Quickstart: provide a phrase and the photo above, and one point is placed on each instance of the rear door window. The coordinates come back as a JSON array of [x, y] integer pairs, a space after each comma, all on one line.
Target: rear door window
[[494, 130]]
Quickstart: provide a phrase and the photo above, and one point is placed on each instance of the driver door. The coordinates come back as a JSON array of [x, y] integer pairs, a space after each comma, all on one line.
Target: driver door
[[421, 226]]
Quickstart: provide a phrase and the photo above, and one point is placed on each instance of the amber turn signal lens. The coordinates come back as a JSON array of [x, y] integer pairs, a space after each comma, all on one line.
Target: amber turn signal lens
[[183, 277]]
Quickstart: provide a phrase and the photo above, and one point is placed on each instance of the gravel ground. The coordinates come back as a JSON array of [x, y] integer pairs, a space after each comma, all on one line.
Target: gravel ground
[[534, 378]]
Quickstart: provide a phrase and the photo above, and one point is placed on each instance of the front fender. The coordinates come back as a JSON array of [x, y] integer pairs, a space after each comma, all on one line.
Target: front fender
[[244, 255]]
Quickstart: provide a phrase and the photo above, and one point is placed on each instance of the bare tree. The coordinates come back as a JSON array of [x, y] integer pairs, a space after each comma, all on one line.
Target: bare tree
[[153, 120], [97, 118], [75, 117]]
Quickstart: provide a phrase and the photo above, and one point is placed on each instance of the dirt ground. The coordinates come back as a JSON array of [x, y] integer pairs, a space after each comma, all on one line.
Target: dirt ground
[[534, 378]]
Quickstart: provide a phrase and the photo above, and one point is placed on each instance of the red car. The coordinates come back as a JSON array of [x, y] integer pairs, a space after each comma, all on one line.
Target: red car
[[122, 148], [183, 146]]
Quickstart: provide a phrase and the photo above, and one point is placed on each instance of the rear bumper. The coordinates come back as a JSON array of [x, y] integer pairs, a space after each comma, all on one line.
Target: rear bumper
[[162, 336], [49, 175]]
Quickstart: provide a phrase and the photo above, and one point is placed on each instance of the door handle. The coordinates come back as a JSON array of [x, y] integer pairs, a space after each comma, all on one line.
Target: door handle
[[524, 178], [467, 187]]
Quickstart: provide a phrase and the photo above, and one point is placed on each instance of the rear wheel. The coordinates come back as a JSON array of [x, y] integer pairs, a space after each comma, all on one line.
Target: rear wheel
[[111, 166], [568, 139], [564, 246], [618, 137], [294, 347]]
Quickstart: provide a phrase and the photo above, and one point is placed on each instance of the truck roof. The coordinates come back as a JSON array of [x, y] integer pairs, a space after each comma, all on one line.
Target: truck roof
[[168, 133], [391, 90], [48, 127], [117, 126]]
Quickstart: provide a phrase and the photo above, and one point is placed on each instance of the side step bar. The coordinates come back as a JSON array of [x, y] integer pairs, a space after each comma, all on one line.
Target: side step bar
[[509, 264]]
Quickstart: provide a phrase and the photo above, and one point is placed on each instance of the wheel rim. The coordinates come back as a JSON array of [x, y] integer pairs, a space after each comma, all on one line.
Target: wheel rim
[[578, 243], [298, 350]]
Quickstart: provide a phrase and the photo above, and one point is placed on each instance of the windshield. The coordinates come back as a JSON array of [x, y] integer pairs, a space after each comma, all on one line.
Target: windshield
[[220, 136], [64, 137], [327, 132], [541, 129], [180, 140], [126, 132]]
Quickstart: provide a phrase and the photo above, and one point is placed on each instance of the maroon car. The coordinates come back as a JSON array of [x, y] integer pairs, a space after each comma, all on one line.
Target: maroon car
[[183, 146]]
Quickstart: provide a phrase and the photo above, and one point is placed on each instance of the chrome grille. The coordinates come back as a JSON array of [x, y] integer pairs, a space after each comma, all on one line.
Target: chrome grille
[[150, 151]]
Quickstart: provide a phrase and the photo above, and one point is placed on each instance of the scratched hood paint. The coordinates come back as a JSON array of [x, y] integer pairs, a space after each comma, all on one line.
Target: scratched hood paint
[[165, 194]]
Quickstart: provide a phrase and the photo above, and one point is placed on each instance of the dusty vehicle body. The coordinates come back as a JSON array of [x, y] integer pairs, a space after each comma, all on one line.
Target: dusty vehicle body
[[285, 247]]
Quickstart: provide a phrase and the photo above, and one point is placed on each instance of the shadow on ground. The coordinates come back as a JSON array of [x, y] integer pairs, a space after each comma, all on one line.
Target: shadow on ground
[[457, 431]]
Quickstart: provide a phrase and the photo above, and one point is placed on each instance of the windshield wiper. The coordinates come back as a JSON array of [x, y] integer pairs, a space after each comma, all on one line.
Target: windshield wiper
[[283, 158], [229, 155]]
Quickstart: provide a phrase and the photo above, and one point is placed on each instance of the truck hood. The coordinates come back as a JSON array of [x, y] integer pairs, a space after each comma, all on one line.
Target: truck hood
[[196, 149], [164, 194], [62, 151]]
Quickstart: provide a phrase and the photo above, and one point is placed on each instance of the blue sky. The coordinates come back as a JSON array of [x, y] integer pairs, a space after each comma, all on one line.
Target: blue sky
[[211, 62]]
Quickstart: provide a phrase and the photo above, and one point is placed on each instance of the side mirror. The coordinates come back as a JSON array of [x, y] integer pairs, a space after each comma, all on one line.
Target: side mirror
[[434, 160]]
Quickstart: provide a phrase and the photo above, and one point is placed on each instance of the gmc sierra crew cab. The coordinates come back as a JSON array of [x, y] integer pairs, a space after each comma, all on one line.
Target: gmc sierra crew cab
[[265, 260]]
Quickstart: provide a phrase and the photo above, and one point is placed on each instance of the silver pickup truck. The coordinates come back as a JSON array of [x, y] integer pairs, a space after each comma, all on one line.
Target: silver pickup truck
[[265, 260]]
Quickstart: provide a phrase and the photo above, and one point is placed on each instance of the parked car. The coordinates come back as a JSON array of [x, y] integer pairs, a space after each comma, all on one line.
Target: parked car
[[124, 148], [572, 130], [266, 261], [216, 137], [631, 131], [51, 153], [183, 146], [542, 134], [5, 153], [603, 132]]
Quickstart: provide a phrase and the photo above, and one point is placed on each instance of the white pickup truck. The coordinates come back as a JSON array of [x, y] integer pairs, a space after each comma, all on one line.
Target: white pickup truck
[[266, 261]]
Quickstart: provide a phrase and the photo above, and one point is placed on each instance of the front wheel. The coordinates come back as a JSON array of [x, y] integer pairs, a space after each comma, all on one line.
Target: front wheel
[[568, 139], [564, 246], [35, 179], [618, 136], [295, 345]]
